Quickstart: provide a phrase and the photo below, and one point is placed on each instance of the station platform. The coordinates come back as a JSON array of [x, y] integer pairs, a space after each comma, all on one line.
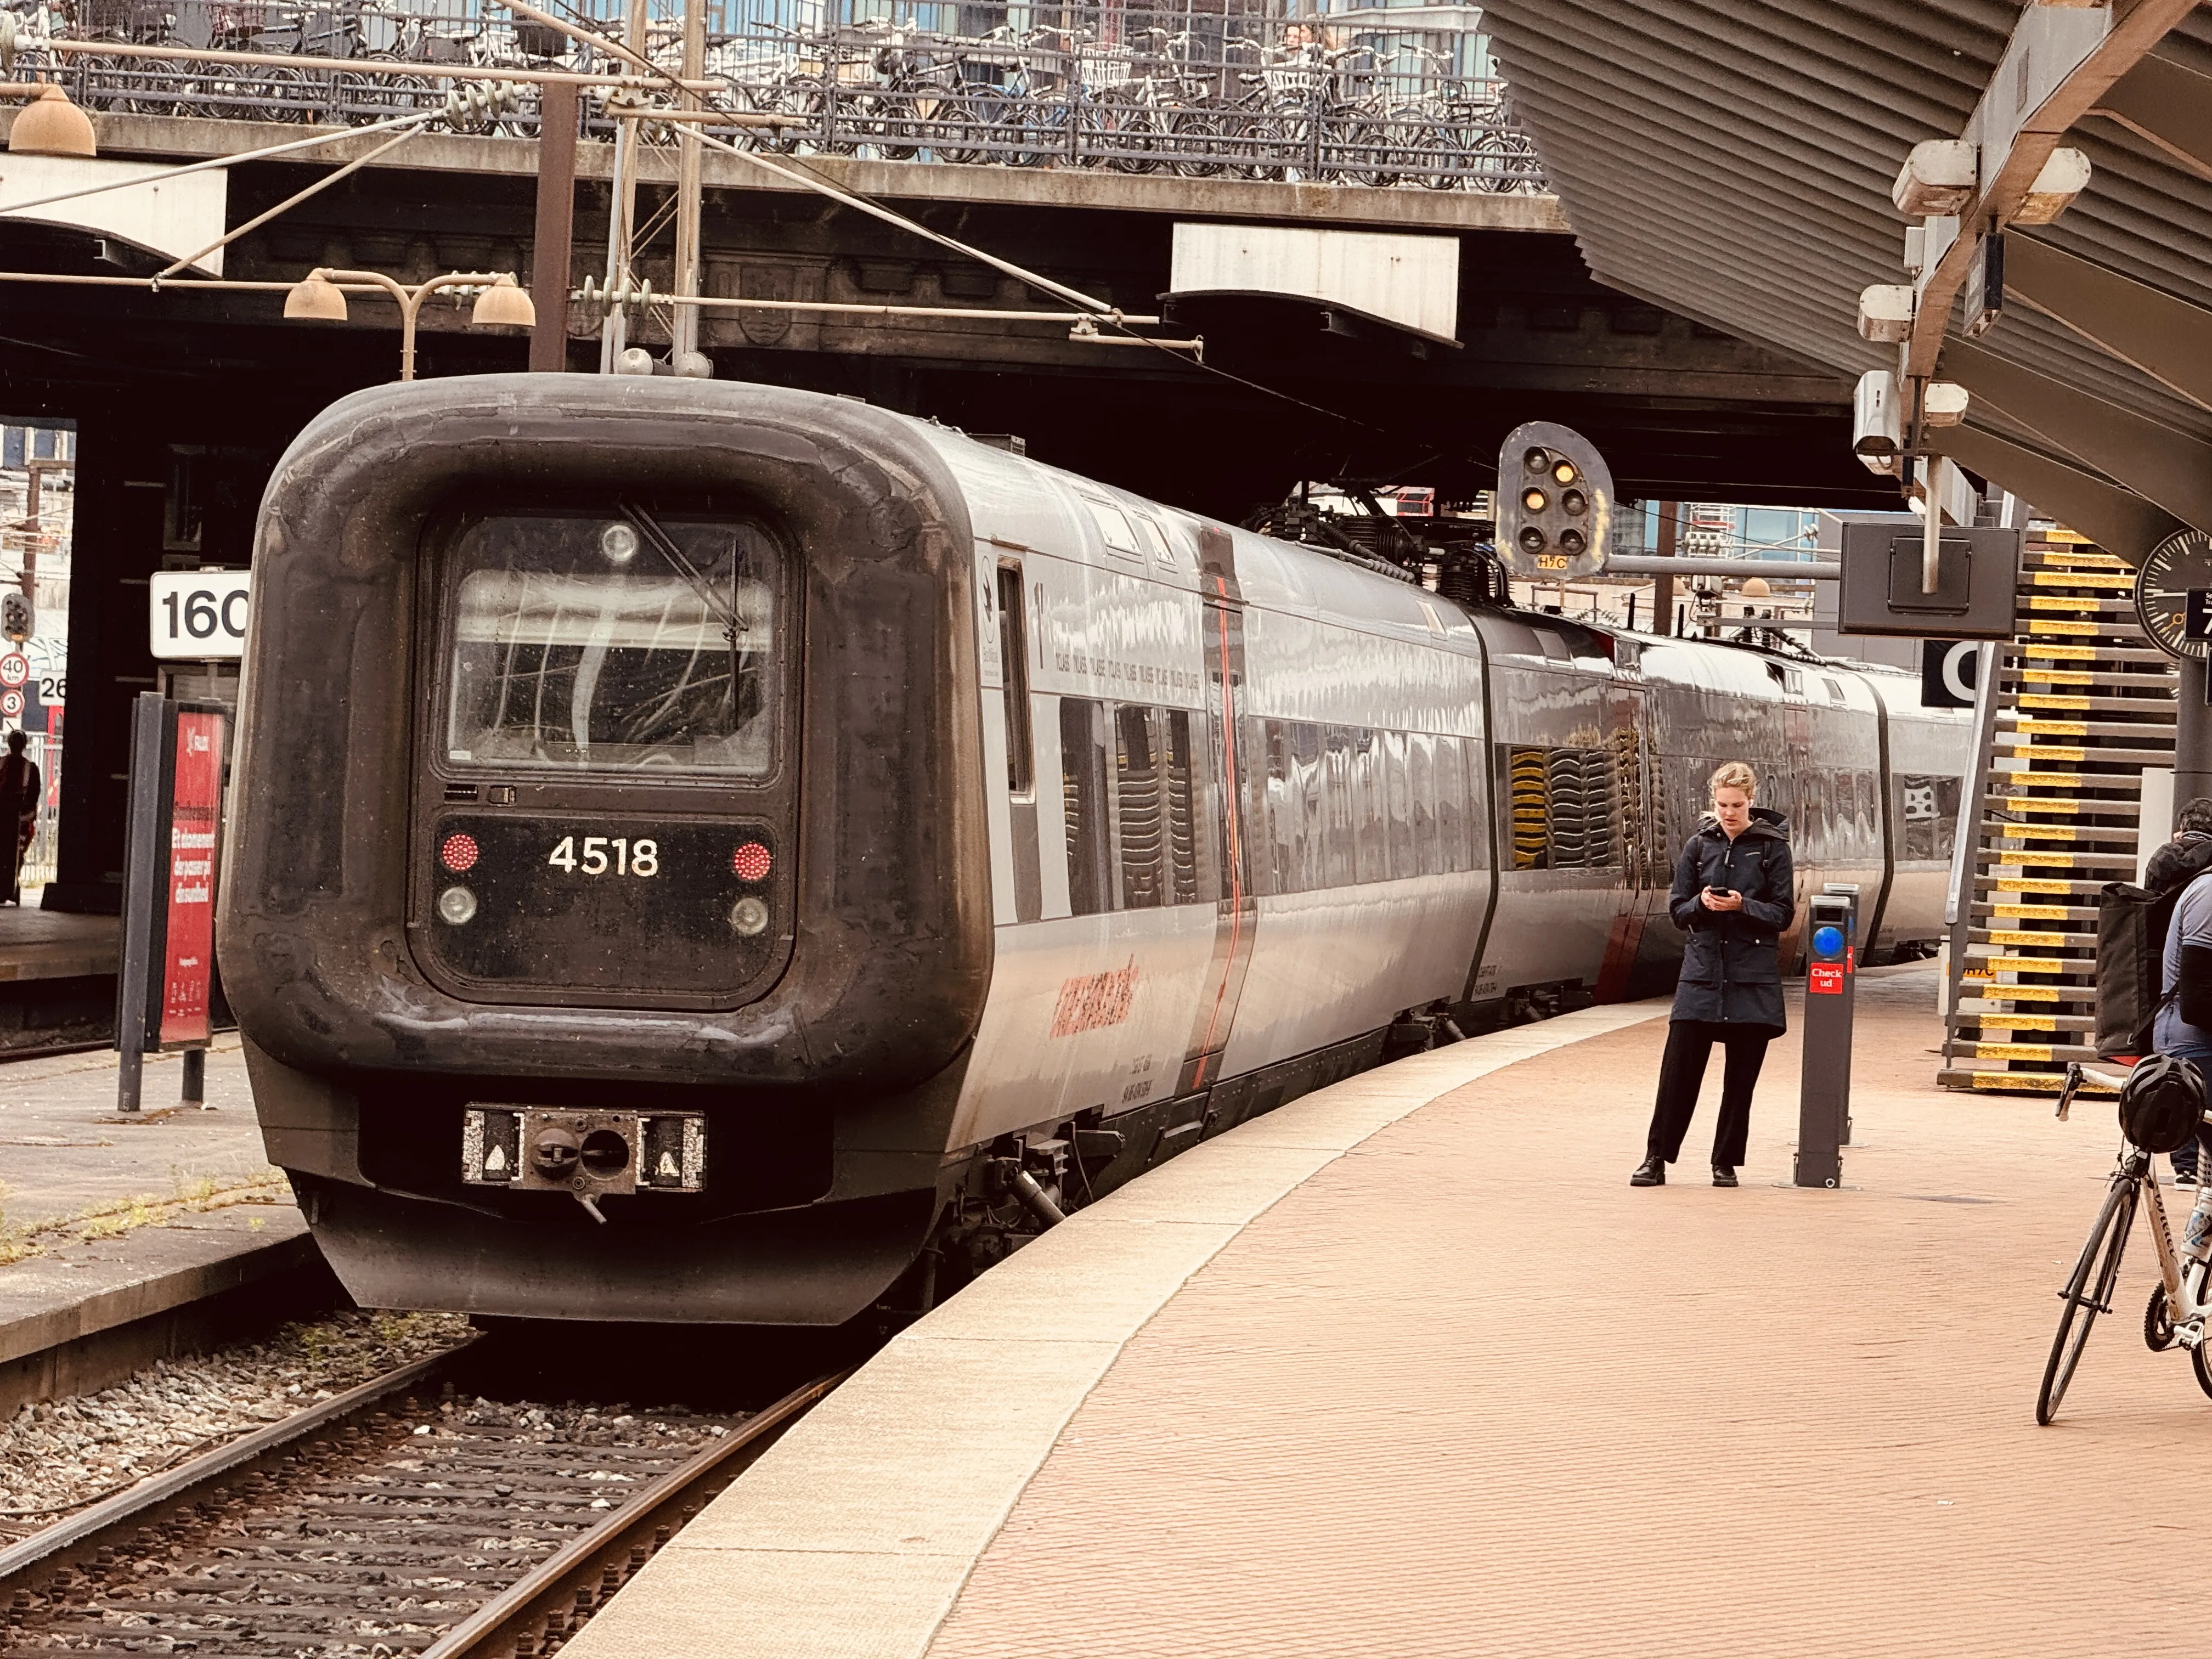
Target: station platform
[[56, 979], [1406, 1367], [56, 945], [126, 1239]]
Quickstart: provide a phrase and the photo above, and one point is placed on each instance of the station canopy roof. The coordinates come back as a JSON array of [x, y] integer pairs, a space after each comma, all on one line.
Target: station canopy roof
[[1734, 161]]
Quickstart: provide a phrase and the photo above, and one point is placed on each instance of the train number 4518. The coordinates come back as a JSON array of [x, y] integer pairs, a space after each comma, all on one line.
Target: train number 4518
[[629, 857]]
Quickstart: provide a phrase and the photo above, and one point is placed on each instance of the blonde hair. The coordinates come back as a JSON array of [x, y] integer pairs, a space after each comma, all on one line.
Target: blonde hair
[[1733, 774]]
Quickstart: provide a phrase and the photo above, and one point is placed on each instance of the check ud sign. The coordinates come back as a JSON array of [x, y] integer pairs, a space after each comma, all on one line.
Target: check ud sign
[[199, 616]]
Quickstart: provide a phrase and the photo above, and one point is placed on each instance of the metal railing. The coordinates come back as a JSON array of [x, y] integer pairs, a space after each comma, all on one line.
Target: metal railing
[[1204, 96]]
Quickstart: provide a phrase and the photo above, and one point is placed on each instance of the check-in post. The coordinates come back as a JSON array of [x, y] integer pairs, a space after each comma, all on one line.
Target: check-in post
[[1824, 1085]]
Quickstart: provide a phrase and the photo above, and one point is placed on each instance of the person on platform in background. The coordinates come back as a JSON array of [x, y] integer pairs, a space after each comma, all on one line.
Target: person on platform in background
[[19, 809], [2177, 864], [1735, 894]]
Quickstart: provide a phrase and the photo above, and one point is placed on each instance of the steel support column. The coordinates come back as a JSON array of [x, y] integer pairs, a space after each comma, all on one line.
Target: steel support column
[[549, 257]]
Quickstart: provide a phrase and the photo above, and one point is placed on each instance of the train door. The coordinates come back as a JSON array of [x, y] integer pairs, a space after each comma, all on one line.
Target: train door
[[1236, 912], [1007, 606]]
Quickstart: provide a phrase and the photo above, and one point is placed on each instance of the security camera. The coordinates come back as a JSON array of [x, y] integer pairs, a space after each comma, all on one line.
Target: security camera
[[2063, 178], [1944, 403], [1939, 177], [1885, 313], [1877, 422]]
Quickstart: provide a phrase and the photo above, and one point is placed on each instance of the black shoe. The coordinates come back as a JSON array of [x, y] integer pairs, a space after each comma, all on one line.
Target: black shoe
[[1723, 1176], [1652, 1172]]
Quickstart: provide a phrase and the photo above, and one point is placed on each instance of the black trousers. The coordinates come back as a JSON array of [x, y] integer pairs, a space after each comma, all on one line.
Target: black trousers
[[1682, 1072]]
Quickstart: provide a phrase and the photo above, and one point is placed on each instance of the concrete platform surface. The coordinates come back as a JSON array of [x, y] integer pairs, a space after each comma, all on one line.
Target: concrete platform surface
[[1408, 1368], [55, 945], [64, 1149], [118, 1234]]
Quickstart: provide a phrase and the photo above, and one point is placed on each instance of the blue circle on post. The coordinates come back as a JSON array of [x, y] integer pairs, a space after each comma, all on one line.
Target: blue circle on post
[[1828, 941]]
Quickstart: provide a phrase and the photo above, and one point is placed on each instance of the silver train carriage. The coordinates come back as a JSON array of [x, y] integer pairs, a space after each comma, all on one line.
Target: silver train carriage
[[716, 852]]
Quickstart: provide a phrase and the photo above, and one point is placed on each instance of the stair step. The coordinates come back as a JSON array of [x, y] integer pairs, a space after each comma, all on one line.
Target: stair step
[[2039, 995], [2078, 754], [2009, 907], [2030, 890], [2019, 1021], [2044, 1051], [2055, 967], [2022, 1083], [2029, 858], [2012, 830], [2070, 804], [2034, 725], [2014, 650]]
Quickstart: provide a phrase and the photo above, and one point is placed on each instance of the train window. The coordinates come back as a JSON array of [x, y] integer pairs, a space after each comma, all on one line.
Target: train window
[[1139, 821], [1083, 783], [1155, 539], [1309, 872], [1186, 880], [1421, 772], [1398, 803], [1252, 776], [1274, 869], [1014, 656], [1340, 789], [1452, 826], [612, 644], [1559, 808], [1527, 817], [1113, 527], [1927, 809], [1370, 798]]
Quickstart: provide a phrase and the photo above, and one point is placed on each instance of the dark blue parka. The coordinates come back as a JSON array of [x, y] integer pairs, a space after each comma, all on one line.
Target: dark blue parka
[[1731, 967]]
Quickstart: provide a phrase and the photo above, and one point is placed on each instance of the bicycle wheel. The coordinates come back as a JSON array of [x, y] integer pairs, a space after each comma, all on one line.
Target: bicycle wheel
[[2199, 1361], [2088, 1293]]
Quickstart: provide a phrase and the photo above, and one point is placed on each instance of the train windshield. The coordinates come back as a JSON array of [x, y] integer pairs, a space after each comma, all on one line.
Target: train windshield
[[621, 643]]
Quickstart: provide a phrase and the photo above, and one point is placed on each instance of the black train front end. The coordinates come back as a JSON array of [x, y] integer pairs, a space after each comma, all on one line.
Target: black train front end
[[605, 905]]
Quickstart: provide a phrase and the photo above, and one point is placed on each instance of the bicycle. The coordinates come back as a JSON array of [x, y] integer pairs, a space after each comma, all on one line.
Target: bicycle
[[2179, 1308]]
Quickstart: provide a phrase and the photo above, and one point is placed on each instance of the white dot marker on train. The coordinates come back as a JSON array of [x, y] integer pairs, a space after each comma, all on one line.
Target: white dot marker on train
[[495, 1160]]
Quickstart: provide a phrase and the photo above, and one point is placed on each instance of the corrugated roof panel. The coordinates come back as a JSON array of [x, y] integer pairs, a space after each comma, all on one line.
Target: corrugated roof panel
[[1734, 161]]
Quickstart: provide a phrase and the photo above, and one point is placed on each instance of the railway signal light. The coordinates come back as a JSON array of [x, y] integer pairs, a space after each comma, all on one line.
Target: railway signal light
[[1556, 525]]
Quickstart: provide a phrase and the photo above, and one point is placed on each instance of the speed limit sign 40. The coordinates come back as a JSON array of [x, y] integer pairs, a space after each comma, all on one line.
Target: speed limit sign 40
[[199, 616]]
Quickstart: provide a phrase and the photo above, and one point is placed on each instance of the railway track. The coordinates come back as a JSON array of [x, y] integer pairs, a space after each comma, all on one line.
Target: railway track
[[403, 1517]]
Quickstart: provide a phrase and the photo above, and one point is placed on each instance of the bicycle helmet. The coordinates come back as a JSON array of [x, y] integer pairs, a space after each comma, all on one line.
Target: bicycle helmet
[[2161, 1103]]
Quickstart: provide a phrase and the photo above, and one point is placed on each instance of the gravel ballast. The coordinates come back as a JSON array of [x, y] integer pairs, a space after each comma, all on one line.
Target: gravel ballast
[[64, 1452]]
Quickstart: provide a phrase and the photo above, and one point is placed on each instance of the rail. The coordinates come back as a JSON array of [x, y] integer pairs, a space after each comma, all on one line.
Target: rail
[[1298, 102]]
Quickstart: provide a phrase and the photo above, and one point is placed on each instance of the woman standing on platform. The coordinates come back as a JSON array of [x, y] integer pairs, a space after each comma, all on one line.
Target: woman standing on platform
[[1735, 895]]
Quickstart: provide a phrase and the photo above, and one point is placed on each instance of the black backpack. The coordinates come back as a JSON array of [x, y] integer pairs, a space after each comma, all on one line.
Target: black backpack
[[2131, 924]]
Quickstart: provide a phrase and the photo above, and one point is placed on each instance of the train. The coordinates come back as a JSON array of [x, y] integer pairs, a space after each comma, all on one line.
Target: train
[[708, 853]]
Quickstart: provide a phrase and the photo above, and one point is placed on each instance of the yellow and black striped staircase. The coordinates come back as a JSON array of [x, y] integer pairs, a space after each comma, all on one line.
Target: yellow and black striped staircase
[[2083, 702]]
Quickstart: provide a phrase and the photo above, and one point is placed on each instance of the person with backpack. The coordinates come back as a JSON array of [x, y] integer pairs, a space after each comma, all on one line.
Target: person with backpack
[[2172, 867], [2183, 1028]]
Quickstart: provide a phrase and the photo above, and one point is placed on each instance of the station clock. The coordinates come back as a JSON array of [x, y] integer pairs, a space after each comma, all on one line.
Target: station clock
[[2173, 594]]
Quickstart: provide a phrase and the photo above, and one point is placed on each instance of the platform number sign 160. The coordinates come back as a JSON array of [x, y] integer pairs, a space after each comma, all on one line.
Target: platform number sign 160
[[199, 615], [603, 854]]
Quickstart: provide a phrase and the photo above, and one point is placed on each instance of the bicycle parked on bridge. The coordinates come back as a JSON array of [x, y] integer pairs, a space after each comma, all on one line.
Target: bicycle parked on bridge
[[2161, 1104]]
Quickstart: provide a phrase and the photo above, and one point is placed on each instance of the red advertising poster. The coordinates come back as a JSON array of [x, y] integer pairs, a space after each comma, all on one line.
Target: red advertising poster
[[189, 955]]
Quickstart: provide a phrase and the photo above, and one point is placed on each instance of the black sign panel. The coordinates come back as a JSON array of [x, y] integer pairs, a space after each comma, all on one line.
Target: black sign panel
[[1950, 672], [587, 903], [2197, 621]]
